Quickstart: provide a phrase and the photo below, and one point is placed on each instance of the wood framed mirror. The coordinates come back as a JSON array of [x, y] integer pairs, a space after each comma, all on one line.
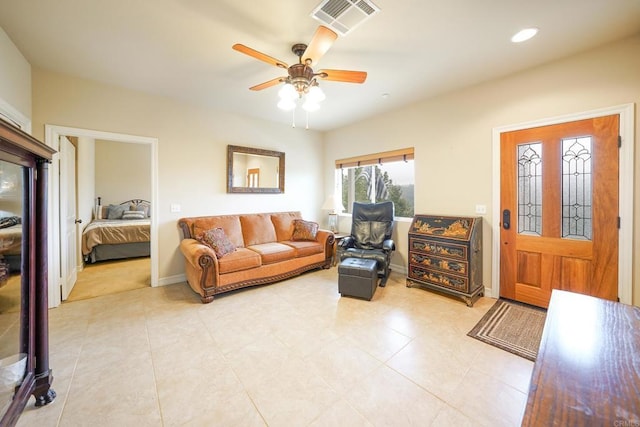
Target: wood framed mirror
[[254, 170], [24, 331]]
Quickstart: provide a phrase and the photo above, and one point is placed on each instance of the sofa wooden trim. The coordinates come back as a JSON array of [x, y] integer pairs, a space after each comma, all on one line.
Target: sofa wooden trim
[[203, 260]]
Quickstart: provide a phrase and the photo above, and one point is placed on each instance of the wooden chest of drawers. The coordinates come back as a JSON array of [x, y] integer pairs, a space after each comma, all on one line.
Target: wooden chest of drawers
[[445, 254]]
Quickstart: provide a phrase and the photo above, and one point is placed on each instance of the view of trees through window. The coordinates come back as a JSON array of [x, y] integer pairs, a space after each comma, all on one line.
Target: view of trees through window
[[380, 182]]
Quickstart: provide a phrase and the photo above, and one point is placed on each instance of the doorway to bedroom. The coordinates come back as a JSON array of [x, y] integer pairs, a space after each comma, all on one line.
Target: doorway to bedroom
[[114, 186], [114, 189]]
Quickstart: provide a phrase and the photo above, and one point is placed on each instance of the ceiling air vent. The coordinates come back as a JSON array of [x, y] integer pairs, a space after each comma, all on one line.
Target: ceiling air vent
[[343, 16]]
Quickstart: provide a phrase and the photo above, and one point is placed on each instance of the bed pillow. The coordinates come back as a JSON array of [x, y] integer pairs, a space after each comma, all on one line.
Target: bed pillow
[[133, 215], [115, 211], [217, 240], [304, 230], [144, 209], [140, 208], [9, 221], [101, 212]]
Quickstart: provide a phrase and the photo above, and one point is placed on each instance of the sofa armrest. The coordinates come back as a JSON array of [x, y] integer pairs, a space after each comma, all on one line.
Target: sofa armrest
[[193, 250], [201, 267], [327, 239]]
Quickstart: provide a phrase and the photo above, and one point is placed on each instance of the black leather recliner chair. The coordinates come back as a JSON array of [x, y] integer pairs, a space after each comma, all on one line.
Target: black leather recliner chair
[[371, 228]]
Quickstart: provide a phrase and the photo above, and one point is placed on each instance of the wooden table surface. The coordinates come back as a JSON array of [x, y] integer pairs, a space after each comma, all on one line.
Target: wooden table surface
[[587, 372]]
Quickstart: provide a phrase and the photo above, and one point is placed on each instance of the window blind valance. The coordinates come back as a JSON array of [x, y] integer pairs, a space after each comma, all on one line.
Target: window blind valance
[[403, 154]]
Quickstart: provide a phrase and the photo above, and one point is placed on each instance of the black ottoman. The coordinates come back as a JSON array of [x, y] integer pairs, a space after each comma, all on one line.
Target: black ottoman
[[358, 277]]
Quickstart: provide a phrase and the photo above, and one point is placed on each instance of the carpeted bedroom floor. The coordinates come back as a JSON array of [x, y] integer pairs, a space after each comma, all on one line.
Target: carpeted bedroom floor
[[111, 277]]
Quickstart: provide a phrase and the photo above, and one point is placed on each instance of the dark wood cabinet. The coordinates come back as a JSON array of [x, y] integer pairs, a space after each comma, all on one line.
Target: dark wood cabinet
[[445, 254], [24, 340]]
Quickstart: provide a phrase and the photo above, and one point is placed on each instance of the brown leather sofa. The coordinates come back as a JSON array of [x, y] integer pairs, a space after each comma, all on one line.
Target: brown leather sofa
[[265, 251]]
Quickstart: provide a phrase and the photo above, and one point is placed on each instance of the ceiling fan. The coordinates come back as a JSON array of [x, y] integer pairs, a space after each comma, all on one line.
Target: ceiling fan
[[302, 80]]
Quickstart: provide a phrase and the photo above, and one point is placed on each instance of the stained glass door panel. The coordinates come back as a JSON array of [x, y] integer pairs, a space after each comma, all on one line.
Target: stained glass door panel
[[559, 187]]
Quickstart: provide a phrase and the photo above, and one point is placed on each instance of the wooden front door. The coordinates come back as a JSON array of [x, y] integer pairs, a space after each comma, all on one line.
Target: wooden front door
[[559, 207]]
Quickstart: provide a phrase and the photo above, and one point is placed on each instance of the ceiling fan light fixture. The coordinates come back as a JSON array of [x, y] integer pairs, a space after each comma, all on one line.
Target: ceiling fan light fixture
[[286, 104], [310, 106], [301, 84], [287, 92], [316, 94], [524, 35]]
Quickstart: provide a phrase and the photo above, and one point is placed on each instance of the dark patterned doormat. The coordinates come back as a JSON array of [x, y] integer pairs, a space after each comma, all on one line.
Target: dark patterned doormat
[[513, 327]]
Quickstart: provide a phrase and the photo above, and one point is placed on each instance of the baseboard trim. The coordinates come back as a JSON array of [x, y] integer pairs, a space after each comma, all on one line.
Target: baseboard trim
[[400, 269], [171, 280]]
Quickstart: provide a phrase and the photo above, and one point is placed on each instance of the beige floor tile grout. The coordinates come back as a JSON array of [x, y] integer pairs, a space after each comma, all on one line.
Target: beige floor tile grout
[[154, 367], [355, 347]]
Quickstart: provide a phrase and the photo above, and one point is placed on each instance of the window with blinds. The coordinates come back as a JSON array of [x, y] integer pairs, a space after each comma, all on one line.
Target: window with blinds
[[378, 177]]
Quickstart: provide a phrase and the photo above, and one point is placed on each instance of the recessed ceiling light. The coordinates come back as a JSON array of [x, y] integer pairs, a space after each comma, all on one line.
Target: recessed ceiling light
[[524, 35]]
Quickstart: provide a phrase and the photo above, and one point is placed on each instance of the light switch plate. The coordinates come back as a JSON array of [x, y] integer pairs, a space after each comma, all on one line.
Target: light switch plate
[[481, 209], [175, 208]]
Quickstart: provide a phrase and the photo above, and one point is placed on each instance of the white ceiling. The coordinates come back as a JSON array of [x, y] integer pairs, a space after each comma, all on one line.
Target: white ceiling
[[412, 49]]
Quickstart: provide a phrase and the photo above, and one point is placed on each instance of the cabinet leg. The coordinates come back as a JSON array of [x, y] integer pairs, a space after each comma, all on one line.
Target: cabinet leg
[[46, 398]]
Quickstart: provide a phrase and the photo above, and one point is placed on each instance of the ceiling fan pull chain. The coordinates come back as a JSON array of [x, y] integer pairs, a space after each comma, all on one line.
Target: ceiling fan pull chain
[[293, 118], [307, 113]]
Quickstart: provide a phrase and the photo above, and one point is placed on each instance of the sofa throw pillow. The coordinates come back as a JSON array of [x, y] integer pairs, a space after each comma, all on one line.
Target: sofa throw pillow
[[133, 215], [304, 230], [217, 240]]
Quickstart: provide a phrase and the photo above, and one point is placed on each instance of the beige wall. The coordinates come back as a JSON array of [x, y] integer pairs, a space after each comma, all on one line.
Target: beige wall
[[122, 171], [452, 133], [191, 151], [15, 76]]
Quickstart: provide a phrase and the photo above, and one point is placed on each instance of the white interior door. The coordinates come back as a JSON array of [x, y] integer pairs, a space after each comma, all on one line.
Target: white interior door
[[68, 250]]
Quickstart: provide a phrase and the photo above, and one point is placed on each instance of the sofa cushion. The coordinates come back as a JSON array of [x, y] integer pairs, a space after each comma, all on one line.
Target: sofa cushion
[[273, 252], [257, 229], [283, 223], [229, 223], [305, 248], [304, 230], [241, 259], [217, 240]]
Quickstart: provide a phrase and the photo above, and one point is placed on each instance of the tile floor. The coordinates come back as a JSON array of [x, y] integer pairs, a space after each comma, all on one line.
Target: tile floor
[[288, 354]]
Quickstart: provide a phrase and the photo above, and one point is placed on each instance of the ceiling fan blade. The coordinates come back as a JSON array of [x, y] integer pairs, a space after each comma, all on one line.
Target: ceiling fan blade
[[270, 83], [322, 40], [343, 76], [259, 55]]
